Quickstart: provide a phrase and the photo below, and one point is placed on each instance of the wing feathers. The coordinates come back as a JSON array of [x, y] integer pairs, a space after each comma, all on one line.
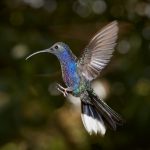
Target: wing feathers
[[99, 51]]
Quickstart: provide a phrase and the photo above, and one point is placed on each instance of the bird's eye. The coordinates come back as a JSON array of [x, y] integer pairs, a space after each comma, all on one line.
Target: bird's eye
[[56, 47]]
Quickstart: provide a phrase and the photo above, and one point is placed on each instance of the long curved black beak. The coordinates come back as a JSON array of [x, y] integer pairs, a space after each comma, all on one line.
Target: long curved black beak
[[42, 51]]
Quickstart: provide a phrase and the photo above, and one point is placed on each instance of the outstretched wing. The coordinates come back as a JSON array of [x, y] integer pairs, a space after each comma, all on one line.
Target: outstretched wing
[[99, 51]]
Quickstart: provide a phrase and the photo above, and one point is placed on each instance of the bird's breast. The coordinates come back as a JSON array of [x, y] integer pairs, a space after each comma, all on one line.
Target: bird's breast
[[70, 75]]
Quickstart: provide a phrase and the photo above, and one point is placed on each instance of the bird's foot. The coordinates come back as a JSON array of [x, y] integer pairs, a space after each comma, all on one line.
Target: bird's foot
[[63, 90]]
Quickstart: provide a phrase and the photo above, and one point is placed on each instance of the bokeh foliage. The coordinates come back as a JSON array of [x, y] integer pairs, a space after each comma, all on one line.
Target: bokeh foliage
[[33, 115]]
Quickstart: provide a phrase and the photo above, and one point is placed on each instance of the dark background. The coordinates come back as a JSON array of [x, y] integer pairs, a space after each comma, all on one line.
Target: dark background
[[33, 115]]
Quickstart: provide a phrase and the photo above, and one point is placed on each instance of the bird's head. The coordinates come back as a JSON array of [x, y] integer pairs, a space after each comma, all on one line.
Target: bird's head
[[55, 49]]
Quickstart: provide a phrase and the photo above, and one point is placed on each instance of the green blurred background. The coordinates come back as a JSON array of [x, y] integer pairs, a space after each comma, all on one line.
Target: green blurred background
[[33, 114]]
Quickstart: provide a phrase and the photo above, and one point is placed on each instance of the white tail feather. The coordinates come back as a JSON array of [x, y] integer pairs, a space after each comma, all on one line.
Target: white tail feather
[[93, 125]]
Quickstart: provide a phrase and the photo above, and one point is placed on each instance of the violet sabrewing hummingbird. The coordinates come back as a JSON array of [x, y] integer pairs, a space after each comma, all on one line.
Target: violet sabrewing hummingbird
[[79, 73]]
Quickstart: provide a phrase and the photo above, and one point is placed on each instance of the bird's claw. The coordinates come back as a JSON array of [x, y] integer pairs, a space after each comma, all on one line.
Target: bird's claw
[[62, 90]]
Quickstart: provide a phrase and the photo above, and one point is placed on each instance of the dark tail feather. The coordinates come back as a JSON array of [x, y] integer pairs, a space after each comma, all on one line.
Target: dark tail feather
[[112, 118], [92, 120]]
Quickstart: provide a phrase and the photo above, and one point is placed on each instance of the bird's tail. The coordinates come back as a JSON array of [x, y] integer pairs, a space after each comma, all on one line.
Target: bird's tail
[[95, 112]]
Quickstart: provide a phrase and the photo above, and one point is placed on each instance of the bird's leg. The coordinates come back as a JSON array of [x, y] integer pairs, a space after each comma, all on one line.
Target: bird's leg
[[63, 90]]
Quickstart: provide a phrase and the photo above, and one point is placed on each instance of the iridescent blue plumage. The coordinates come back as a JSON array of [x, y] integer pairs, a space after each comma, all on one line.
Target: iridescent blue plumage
[[78, 74], [68, 64]]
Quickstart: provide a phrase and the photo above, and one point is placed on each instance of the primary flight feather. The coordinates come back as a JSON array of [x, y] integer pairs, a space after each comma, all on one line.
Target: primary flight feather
[[99, 51]]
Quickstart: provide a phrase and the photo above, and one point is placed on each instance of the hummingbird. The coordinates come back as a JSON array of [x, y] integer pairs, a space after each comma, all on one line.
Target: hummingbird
[[78, 73]]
